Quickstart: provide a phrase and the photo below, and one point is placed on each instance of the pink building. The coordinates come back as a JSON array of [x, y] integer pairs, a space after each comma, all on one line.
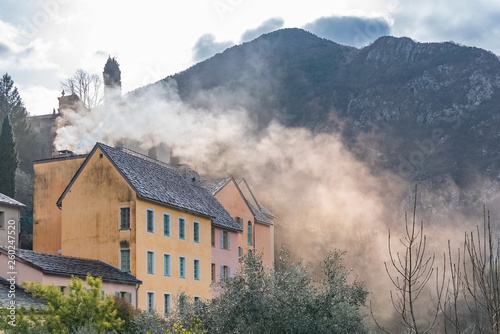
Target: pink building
[[254, 230], [46, 268]]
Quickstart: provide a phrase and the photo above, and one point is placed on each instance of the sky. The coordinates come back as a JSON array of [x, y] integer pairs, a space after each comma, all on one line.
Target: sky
[[43, 42]]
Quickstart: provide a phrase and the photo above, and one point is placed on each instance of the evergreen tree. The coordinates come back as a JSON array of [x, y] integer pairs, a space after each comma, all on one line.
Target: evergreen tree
[[11, 105], [8, 160]]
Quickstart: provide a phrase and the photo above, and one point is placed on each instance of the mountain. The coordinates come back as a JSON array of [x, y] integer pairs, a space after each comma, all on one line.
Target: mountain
[[422, 110]]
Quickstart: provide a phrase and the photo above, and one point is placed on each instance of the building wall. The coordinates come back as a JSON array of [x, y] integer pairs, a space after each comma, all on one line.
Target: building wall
[[263, 243], [232, 200], [173, 245], [50, 180], [8, 214], [91, 229], [91, 213], [225, 257], [27, 273]]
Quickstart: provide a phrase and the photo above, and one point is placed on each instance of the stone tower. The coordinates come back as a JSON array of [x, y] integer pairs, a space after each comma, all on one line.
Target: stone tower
[[112, 80]]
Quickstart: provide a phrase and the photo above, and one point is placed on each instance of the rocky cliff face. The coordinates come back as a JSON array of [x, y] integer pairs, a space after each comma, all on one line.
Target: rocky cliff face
[[426, 111]]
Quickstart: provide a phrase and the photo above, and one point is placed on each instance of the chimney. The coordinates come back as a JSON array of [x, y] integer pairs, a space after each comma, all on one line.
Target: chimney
[[65, 153]]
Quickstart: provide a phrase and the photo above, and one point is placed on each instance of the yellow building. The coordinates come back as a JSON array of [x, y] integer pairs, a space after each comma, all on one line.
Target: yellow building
[[142, 216], [52, 176]]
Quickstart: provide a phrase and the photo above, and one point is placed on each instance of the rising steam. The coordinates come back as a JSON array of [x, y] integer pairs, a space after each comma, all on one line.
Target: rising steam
[[324, 197]]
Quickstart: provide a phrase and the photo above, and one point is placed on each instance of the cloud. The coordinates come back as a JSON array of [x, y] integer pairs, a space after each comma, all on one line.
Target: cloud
[[267, 26], [349, 30], [35, 96], [206, 47], [461, 21]]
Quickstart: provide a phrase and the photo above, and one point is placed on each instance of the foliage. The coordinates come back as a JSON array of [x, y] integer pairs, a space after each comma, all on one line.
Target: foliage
[[148, 322], [287, 299], [88, 87], [67, 313], [195, 328], [12, 105], [8, 160]]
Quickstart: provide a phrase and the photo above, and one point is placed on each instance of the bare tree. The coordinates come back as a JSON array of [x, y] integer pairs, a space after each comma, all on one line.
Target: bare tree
[[411, 271], [88, 87]]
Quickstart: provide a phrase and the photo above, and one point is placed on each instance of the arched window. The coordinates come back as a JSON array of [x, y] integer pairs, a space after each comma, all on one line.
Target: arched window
[[249, 232]]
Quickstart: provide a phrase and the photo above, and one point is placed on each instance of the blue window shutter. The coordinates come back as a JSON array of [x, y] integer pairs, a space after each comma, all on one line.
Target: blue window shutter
[[228, 240], [221, 271], [221, 239], [228, 271]]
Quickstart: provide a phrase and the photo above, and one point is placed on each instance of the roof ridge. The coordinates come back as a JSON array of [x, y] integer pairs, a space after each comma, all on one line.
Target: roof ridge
[[50, 254], [139, 155]]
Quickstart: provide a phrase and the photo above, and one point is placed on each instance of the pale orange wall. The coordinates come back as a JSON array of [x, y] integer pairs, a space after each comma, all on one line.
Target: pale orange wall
[[263, 243], [160, 244], [91, 213], [235, 205], [91, 230], [50, 180], [27, 273]]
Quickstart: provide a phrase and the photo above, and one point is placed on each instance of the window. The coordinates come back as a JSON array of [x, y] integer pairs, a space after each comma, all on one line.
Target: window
[[239, 221], [182, 267], [225, 272], [213, 272], [62, 289], [213, 237], [225, 240], [249, 233], [166, 225], [2, 218], [196, 232], [196, 299], [125, 295], [166, 264], [125, 260], [150, 221], [103, 295], [151, 263], [151, 301], [196, 269], [240, 254], [167, 303], [182, 228], [125, 218]]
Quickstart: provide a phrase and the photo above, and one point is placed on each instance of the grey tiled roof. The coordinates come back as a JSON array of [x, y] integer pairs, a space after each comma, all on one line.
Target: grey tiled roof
[[22, 297], [266, 211], [259, 216], [160, 182], [213, 186], [73, 266], [4, 199]]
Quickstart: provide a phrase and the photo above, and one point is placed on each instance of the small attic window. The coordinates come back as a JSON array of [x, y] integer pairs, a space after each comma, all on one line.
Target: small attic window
[[100, 156]]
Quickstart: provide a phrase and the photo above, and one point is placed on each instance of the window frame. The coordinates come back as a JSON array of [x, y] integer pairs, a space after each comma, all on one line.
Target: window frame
[[122, 227], [167, 273], [169, 225], [147, 221], [152, 272], [212, 236], [196, 269], [196, 228], [249, 233], [182, 273], [167, 307], [153, 307], [122, 251], [183, 229], [227, 244]]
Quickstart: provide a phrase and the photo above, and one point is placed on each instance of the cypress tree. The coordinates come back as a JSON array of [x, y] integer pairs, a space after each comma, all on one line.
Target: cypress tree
[[8, 160]]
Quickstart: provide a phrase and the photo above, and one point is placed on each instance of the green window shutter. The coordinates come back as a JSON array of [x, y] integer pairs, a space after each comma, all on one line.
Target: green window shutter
[[228, 240], [117, 294], [129, 297], [221, 239], [166, 225]]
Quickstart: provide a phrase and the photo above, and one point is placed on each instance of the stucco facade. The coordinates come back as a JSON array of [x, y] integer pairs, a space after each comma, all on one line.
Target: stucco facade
[[52, 176], [10, 214]]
